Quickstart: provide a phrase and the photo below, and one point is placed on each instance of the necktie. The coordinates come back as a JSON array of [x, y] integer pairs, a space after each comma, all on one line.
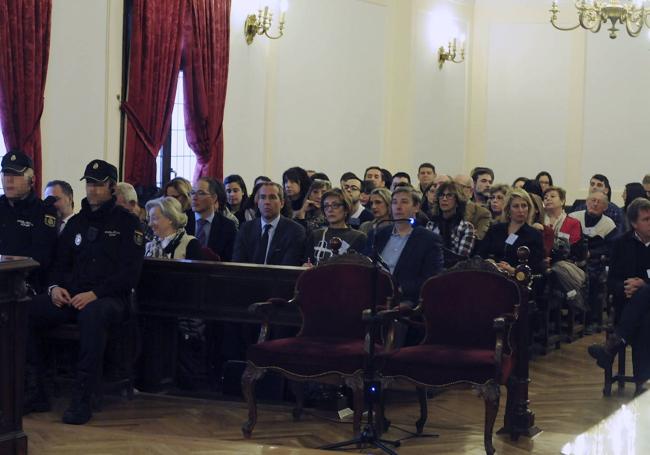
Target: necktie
[[264, 244], [201, 234]]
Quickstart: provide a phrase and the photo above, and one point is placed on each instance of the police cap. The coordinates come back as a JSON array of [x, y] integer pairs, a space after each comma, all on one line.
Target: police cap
[[16, 162], [100, 171]]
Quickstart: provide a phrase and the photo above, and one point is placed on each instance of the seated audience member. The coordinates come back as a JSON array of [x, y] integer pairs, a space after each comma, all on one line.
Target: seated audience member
[[519, 182], [400, 177], [27, 225], [410, 254], [126, 196], [630, 255], [358, 213], [380, 207], [631, 192], [296, 183], [456, 233], [310, 215], [600, 231], [167, 221], [544, 180], [236, 195], [272, 239], [347, 176], [429, 202], [180, 189], [503, 239], [482, 178], [475, 213], [497, 199], [537, 197], [646, 185], [336, 206], [426, 174], [64, 201], [321, 176], [209, 225], [387, 176], [97, 265], [600, 182], [554, 216], [366, 188], [633, 327], [375, 175]]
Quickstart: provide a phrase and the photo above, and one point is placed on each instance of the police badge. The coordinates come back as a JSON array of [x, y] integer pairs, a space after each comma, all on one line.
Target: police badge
[[50, 221], [138, 238], [77, 239]]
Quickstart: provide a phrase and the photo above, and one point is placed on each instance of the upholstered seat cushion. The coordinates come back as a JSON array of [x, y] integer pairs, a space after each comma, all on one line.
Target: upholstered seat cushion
[[440, 364], [309, 356]]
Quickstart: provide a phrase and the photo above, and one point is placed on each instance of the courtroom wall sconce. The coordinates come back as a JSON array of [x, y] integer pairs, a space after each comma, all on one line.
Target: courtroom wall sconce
[[453, 53], [260, 24]]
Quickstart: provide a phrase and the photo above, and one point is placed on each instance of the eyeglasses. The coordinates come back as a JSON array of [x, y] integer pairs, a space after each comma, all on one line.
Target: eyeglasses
[[334, 205], [446, 196], [199, 193], [351, 188]]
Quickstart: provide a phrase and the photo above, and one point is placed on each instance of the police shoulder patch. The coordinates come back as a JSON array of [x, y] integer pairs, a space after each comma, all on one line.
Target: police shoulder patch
[[50, 221], [138, 238]]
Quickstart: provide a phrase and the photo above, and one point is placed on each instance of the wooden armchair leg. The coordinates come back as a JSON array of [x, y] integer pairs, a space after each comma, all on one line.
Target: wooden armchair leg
[[491, 394], [422, 399], [249, 378], [298, 389]]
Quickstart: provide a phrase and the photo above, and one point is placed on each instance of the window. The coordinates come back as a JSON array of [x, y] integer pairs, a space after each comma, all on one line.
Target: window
[[176, 158]]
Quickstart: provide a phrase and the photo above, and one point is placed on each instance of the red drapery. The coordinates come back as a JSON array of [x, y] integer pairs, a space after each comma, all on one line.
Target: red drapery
[[154, 62], [24, 53], [205, 71]]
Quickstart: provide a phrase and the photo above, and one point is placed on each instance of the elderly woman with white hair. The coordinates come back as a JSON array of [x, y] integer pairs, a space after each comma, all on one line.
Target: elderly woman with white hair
[[167, 220]]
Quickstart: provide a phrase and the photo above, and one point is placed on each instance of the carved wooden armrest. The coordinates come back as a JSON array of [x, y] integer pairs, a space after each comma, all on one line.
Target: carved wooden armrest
[[499, 325], [265, 311]]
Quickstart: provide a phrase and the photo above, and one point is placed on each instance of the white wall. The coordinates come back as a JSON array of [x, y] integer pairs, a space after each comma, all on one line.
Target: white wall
[[81, 117], [356, 82]]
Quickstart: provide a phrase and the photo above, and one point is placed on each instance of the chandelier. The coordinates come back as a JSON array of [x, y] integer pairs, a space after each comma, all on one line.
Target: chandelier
[[592, 14]]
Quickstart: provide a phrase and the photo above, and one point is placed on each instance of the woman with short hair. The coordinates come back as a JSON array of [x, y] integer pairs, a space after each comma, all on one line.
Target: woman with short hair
[[167, 220], [497, 199], [336, 206], [379, 204]]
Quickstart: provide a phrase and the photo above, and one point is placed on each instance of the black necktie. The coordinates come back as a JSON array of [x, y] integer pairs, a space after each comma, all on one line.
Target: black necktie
[[264, 244]]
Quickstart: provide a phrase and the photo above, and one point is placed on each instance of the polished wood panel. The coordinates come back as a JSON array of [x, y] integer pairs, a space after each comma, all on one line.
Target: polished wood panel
[[566, 388], [13, 331]]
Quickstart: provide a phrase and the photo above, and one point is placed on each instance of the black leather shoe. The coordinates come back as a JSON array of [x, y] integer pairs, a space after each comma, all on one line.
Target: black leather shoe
[[604, 359], [78, 413]]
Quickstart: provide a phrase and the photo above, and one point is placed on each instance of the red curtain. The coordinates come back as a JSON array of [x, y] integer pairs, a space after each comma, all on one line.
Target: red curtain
[[24, 53], [205, 77], [154, 62]]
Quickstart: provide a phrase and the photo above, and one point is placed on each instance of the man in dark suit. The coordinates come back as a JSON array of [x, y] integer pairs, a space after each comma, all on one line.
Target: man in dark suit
[[272, 239], [411, 254], [212, 229]]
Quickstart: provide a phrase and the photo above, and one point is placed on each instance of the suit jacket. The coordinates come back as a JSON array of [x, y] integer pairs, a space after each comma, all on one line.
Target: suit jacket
[[222, 235], [421, 258], [629, 258], [287, 245]]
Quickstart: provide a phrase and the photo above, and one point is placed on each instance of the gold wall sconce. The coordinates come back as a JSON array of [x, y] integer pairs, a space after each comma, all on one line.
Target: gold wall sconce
[[260, 24], [453, 53]]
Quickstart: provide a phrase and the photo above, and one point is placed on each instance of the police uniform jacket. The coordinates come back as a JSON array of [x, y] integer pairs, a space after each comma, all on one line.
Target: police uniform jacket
[[28, 228], [100, 251]]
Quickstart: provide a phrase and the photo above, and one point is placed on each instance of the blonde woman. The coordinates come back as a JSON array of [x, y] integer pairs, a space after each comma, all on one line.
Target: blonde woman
[[503, 239]]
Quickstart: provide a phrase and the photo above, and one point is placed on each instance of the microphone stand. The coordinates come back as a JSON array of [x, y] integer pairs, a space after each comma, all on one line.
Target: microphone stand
[[369, 435]]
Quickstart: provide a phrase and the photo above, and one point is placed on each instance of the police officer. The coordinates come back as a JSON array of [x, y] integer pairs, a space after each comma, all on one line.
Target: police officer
[[97, 264], [27, 226]]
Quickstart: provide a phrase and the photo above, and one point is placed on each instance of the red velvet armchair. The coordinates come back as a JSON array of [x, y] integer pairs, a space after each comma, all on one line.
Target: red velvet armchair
[[470, 313], [330, 345]]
